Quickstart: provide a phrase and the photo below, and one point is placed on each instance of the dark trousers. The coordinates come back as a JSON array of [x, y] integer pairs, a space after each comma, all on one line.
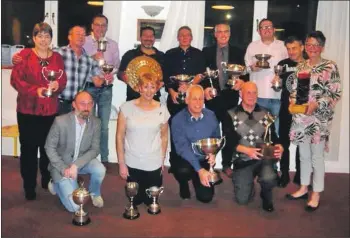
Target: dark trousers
[[145, 179], [226, 100], [284, 128], [183, 172], [244, 173], [33, 131]]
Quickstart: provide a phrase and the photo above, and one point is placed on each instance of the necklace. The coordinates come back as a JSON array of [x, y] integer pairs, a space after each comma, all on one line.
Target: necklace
[[42, 62]]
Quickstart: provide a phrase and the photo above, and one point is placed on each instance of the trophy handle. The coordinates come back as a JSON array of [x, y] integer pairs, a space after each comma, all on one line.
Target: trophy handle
[[148, 192], [161, 190], [60, 72], [224, 142], [44, 69], [224, 66]]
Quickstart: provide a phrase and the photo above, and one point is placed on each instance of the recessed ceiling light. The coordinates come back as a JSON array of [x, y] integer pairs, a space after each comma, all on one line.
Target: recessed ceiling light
[[222, 7], [228, 16], [209, 27], [95, 3], [279, 29]]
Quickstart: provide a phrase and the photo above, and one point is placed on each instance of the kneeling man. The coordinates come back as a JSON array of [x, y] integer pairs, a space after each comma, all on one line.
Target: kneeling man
[[244, 127], [72, 146]]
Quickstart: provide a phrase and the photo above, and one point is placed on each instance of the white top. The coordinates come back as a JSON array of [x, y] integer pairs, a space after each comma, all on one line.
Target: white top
[[263, 77], [143, 145]]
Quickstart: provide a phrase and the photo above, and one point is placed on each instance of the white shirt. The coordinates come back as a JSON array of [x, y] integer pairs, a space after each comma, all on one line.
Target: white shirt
[[79, 131], [263, 77]]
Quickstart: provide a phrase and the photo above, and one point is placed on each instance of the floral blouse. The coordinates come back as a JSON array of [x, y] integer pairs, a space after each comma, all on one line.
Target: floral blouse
[[325, 89]]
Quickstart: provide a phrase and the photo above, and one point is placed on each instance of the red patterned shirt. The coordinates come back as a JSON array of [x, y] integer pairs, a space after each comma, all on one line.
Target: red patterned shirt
[[27, 77]]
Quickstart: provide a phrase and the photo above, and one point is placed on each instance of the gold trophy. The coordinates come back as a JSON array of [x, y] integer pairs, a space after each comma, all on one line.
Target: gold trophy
[[263, 60], [50, 76], [154, 192], [267, 147], [208, 146], [131, 190], [80, 197]]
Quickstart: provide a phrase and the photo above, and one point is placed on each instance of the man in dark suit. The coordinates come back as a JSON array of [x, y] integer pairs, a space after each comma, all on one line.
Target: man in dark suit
[[227, 96], [72, 146]]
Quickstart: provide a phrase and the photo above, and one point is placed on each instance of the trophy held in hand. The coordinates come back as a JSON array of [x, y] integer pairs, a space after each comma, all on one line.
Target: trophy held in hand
[[233, 72], [267, 147], [50, 76]]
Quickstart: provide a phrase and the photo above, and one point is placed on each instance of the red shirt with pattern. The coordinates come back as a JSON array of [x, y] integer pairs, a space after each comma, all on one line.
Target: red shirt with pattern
[[27, 77]]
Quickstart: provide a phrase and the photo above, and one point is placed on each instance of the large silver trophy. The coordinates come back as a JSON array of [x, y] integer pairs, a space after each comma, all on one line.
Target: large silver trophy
[[154, 192], [211, 74], [182, 78], [267, 147], [263, 60], [50, 76], [131, 190], [277, 85], [80, 197], [108, 69], [102, 44], [233, 71], [208, 146]]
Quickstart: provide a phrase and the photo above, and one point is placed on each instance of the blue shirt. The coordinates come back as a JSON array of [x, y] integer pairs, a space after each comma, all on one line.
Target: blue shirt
[[186, 130]]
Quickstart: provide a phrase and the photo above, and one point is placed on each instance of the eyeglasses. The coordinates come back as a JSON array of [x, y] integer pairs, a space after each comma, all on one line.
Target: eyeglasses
[[312, 45], [43, 63], [100, 25], [266, 27]]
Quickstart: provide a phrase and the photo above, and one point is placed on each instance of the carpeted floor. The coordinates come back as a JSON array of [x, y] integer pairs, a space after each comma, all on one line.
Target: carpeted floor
[[46, 217]]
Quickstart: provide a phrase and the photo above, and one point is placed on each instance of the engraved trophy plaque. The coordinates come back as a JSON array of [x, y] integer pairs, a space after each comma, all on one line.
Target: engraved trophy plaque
[[131, 190], [50, 76], [154, 192], [208, 146], [80, 197], [182, 78], [233, 71]]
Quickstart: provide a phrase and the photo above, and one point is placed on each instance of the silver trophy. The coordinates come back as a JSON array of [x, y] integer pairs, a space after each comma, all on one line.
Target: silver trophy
[[50, 76], [233, 71], [131, 190], [278, 69], [102, 44], [208, 146], [108, 69], [267, 147], [262, 60], [154, 193], [182, 78], [211, 74], [80, 197]]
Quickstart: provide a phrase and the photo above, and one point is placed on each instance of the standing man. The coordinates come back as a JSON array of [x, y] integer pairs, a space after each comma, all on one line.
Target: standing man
[[295, 52], [72, 146], [101, 90], [227, 96], [268, 98], [147, 35], [244, 127], [191, 124]]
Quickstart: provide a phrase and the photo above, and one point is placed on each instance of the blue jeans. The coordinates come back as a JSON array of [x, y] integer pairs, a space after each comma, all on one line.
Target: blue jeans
[[65, 187], [103, 101], [273, 105]]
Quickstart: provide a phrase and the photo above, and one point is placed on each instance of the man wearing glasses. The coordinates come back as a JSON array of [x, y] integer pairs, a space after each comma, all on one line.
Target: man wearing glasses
[[101, 90]]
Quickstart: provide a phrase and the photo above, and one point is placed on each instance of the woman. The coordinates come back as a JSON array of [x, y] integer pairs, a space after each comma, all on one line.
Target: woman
[[35, 111], [142, 138], [311, 130]]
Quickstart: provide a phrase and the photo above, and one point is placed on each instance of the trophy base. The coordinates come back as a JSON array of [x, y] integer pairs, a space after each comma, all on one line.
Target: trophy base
[[81, 221], [267, 150], [263, 65], [296, 109], [47, 93], [152, 212], [231, 82], [276, 88], [131, 217], [215, 179]]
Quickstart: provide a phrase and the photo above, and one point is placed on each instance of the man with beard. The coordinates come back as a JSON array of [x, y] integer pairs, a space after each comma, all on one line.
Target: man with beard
[[147, 35], [72, 146]]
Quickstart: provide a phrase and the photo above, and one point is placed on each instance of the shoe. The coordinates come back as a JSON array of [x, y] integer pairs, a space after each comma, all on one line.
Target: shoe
[[30, 196], [284, 180], [185, 191], [291, 197], [51, 188], [267, 204], [97, 201], [309, 208], [44, 183], [228, 172]]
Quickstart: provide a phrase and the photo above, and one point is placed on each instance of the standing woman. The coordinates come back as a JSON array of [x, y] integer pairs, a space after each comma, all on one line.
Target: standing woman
[[311, 130], [142, 138], [36, 112]]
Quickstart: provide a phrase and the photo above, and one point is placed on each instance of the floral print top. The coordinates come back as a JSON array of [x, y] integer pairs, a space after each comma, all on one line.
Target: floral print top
[[325, 89]]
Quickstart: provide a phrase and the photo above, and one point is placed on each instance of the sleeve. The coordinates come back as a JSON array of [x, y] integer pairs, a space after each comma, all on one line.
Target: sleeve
[[127, 57], [275, 139], [182, 144], [232, 138], [95, 69]]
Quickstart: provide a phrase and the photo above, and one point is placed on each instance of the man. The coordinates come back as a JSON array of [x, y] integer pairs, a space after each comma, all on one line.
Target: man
[[268, 98], [102, 93], [244, 127], [78, 65], [295, 50], [189, 125], [227, 96], [72, 146], [147, 36]]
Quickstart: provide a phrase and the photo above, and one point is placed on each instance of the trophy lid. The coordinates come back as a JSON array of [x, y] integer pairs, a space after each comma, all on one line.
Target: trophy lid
[[140, 65]]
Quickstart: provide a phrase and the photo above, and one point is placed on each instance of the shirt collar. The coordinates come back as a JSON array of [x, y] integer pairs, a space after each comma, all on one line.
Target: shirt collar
[[77, 121], [256, 108], [192, 118]]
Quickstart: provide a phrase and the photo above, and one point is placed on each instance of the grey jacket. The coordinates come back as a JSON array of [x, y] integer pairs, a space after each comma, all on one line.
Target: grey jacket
[[60, 144]]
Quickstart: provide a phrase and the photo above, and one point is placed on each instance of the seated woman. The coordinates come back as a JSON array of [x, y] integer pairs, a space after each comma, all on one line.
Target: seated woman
[[142, 138]]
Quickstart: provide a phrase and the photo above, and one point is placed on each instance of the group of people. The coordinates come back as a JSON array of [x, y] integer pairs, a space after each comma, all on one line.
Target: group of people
[[73, 122]]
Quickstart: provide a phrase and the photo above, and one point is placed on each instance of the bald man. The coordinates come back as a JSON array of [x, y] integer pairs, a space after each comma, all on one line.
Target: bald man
[[188, 126], [72, 146], [244, 127]]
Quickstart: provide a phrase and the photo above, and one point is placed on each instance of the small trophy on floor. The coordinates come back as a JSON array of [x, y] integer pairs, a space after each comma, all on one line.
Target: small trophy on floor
[[131, 212], [154, 193], [80, 197], [267, 147]]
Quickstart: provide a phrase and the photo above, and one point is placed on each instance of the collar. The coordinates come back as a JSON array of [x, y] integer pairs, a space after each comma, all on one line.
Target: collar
[[192, 118], [82, 49], [93, 37], [141, 52], [224, 48], [77, 121], [188, 49], [256, 108]]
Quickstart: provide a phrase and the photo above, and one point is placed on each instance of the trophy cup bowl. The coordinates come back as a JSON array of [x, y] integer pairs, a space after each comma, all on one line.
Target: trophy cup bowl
[[107, 69], [50, 76], [182, 78], [263, 60], [154, 192], [233, 72], [278, 69], [208, 146], [80, 197], [131, 190], [102, 45]]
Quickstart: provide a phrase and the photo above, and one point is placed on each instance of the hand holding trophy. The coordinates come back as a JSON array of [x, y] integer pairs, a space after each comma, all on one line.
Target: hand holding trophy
[[108, 69], [182, 78], [211, 74], [233, 71], [50, 76], [276, 85]]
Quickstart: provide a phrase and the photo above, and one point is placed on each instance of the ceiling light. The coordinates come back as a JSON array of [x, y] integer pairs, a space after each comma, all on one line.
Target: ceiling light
[[95, 3], [152, 11], [222, 7], [228, 16], [209, 27], [279, 29]]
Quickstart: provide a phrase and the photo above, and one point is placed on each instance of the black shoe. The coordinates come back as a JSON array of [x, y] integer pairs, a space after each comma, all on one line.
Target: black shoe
[[45, 183], [291, 197], [30, 196], [267, 204], [185, 191], [283, 180], [170, 170], [309, 208]]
